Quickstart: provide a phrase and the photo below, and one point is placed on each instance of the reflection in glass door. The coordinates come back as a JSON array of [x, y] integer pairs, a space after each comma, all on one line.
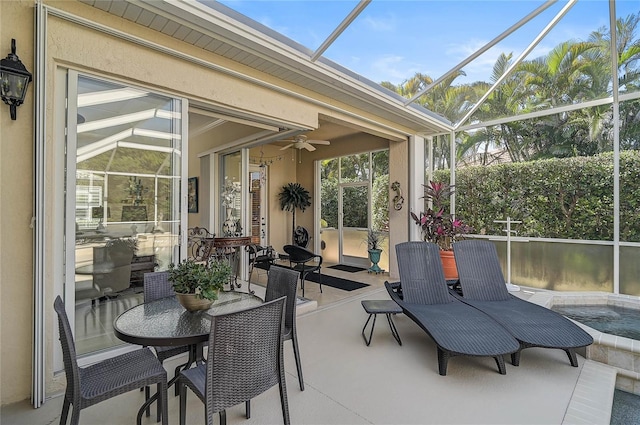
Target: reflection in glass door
[[354, 222], [258, 204], [124, 173], [231, 190]]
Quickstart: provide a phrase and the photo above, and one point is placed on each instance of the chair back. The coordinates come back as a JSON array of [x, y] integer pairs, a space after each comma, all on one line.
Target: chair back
[[421, 275], [119, 255], [479, 270], [157, 285], [283, 282], [245, 355], [68, 352], [298, 254], [199, 240]]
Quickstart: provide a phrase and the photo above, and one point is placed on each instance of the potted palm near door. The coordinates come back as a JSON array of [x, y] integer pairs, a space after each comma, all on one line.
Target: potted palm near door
[[294, 197]]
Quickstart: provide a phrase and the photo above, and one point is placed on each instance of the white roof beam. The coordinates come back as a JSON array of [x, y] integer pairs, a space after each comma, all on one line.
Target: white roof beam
[[520, 58], [486, 47], [339, 29], [117, 120], [203, 129]]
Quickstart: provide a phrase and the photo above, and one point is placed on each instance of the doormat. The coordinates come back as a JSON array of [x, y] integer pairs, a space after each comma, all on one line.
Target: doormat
[[345, 268], [335, 282]]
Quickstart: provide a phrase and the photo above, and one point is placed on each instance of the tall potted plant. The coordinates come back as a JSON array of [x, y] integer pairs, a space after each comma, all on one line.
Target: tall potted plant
[[293, 196], [440, 227], [197, 285]]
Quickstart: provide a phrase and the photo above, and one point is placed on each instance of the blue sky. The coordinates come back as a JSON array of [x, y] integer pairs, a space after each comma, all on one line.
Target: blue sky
[[391, 40]]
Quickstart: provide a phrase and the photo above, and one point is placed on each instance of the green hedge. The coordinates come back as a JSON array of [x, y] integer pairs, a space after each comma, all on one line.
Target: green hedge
[[568, 198]]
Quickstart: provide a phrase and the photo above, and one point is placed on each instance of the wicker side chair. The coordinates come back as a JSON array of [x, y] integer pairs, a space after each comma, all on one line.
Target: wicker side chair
[[283, 282], [245, 359], [156, 286], [108, 378]]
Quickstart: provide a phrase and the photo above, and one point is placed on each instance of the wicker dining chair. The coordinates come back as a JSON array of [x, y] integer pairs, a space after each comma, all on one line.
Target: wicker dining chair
[[284, 282], [245, 359], [156, 286], [108, 378]]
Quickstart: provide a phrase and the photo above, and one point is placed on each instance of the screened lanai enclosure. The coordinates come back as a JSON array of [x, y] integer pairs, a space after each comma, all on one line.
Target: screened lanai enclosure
[[548, 135], [552, 141]]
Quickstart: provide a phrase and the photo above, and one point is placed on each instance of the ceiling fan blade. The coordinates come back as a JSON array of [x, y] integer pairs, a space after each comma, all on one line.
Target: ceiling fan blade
[[287, 147], [319, 142], [305, 145]]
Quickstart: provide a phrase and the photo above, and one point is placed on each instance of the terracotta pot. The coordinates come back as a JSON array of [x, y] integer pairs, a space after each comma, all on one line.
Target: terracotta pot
[[192, 303], [449, 265]]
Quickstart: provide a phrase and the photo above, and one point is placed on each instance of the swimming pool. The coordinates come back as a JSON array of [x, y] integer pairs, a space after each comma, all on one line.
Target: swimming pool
[[610, 319], [620, 352]]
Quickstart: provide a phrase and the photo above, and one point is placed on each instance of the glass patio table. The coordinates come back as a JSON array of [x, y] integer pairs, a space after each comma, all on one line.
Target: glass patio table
[[165, 322]]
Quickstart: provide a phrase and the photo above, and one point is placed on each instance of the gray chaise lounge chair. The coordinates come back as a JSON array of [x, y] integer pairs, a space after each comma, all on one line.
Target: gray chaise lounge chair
[[456, 328], [483, 287]]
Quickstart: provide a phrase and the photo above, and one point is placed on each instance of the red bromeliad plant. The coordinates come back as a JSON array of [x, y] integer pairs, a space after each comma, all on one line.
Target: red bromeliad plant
[[438, 227]]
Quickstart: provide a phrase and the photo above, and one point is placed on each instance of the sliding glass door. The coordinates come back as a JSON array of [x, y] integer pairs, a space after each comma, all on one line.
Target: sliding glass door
[[123, 185], [353, 224]]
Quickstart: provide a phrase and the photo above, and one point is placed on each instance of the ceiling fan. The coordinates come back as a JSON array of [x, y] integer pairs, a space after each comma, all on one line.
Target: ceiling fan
[[301, 141]]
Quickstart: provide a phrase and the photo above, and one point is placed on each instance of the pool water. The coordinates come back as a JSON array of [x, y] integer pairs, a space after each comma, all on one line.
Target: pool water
[[626, 408], [609, 319]]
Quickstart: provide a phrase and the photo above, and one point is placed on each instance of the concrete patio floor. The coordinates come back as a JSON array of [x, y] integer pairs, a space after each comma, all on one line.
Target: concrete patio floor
[[347, 382]]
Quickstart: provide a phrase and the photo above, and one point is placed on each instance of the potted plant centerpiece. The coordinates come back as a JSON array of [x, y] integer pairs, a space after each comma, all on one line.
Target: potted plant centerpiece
[[375, 239], [197, 285], [439, 227]]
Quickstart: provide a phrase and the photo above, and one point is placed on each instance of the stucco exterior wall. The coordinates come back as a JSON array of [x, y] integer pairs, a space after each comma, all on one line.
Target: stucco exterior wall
[[16, 193], [398, 220], [73, 46]]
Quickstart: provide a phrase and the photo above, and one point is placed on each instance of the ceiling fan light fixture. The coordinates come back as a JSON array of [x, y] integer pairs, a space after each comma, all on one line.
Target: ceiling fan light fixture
[[301, 142]]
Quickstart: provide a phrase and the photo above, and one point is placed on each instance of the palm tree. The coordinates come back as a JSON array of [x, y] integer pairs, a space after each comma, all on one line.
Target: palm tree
[[293, 196], [452, 102]]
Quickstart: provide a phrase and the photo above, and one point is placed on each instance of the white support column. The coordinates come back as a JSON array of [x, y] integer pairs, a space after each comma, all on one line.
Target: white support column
[[616, 151], [38, 383], [452, 166], [416, 179]]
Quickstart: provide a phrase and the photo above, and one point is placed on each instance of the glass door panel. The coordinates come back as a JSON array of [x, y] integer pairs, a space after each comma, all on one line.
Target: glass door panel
[[329, 234], [354, 225], [124, 166]]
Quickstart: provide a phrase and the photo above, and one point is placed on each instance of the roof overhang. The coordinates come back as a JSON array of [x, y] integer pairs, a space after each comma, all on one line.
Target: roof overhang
[[222, 31]]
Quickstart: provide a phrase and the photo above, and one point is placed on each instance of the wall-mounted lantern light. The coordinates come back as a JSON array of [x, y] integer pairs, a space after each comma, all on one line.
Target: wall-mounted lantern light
[[14, 80]]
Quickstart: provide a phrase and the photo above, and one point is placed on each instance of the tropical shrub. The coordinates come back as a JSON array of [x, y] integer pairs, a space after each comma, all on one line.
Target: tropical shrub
[[568, 198]]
